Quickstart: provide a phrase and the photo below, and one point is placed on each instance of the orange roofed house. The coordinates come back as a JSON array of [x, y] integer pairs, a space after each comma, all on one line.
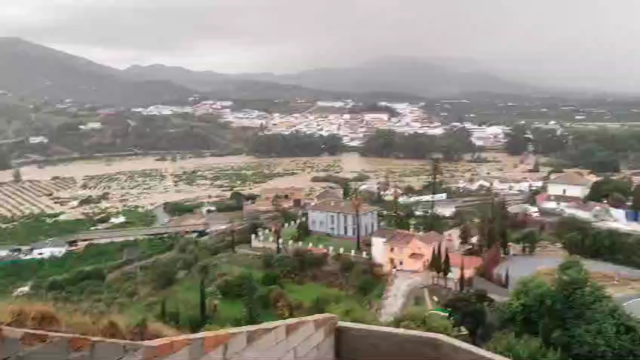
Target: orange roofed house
[[409, 251]]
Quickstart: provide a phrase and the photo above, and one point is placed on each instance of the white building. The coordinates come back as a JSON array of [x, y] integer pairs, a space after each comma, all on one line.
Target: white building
[[338, 218], [94, 125], [38, 140], [569, 184]]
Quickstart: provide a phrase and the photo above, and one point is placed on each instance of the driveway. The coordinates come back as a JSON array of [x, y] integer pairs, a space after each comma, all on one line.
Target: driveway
[[396, 294], [631, 303]]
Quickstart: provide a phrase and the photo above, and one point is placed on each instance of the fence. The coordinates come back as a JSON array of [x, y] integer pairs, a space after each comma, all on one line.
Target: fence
[[266, 240]]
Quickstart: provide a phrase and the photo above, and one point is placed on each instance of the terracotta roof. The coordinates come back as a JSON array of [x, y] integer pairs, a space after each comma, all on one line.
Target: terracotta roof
[[404, 237], [571, 178], [470, 262], [330, 194], [340, 206]]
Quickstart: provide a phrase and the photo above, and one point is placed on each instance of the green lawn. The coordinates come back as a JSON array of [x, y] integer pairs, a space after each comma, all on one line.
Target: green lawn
[[307, 293], [328, 241]]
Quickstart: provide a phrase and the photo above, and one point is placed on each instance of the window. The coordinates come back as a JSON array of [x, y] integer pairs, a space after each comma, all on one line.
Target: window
[[392, 249], [313, 223], [564, 191], [332, 218]]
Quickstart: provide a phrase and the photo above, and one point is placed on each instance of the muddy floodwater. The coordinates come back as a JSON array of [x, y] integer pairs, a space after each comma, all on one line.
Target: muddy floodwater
[[148, 181]]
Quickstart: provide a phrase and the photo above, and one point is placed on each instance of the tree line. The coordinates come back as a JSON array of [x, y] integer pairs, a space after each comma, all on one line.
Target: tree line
[[296, 144], [452, 145], [598, 150]]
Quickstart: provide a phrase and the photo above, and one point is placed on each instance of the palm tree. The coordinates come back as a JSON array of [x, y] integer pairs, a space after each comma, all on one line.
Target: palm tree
[[356, 204]]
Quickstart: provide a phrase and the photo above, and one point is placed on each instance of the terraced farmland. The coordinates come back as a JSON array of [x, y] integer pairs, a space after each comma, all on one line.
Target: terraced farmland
[[148, 179], [31, 196]]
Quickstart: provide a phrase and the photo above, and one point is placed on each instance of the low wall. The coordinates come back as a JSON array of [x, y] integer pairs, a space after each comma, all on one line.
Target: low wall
[[365, 342], [302, 338]]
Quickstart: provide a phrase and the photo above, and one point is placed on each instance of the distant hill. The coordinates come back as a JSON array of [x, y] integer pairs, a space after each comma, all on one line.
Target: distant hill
[[403, 75], [226, 86], [35, 71]]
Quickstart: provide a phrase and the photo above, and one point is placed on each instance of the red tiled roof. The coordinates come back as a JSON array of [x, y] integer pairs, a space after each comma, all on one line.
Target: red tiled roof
[[404, 237], [340, 206], [470, 262]]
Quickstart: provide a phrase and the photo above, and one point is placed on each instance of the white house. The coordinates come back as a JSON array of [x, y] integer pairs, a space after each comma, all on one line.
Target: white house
[[48, 248], [94, 125], [38, 140], [338, 218], [570, 185]]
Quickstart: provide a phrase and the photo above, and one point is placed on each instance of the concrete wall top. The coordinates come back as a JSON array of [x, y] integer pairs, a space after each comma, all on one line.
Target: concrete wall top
[[302, 338]]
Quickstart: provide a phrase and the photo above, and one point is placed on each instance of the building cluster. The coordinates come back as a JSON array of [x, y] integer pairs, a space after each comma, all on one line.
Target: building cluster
[[353, 128]]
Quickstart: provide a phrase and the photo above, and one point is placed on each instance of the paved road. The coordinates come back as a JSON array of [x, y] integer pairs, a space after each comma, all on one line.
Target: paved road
[[631, 303], [522, 266], [125, 233]]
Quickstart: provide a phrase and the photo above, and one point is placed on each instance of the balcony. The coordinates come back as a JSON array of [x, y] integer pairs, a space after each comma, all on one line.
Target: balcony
[[315, 337]]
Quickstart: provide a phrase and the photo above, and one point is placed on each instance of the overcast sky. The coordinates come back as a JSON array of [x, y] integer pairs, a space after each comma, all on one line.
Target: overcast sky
[[580, 42]]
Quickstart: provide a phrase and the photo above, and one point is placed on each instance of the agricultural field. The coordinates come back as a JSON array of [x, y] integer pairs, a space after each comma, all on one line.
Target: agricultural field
[[18, 199], [145, 180]]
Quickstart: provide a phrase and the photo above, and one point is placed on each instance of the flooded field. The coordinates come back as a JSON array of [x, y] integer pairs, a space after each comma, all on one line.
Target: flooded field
[[150, 181]]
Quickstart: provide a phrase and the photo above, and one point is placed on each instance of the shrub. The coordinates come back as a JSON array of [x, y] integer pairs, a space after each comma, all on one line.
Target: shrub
[[233, 287], [418, 318], [270, 279], [366, 285]]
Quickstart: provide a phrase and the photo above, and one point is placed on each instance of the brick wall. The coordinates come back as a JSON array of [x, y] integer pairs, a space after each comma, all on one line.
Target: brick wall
[[303, 338]]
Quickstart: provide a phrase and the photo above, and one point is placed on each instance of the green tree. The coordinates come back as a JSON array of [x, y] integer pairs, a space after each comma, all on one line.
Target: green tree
[[249, 299], [17, 175], [356, 204], [302, 231], [470, 310], [418, 318], [203, 302], [163, 310], [465, 234], [603, 189], [346, 191], [635, 204], [529, 240], [5, 161], [446, 266], [435, 264], [507, 279], [574, 315], [521, 348], [462, 282], [517, 140]]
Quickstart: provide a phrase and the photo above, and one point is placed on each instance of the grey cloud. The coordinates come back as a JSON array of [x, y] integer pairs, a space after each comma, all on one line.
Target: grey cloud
[[581, 42]]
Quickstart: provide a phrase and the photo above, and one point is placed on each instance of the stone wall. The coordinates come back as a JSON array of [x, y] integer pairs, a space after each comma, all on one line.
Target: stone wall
[[303, 338], [360, 342]]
